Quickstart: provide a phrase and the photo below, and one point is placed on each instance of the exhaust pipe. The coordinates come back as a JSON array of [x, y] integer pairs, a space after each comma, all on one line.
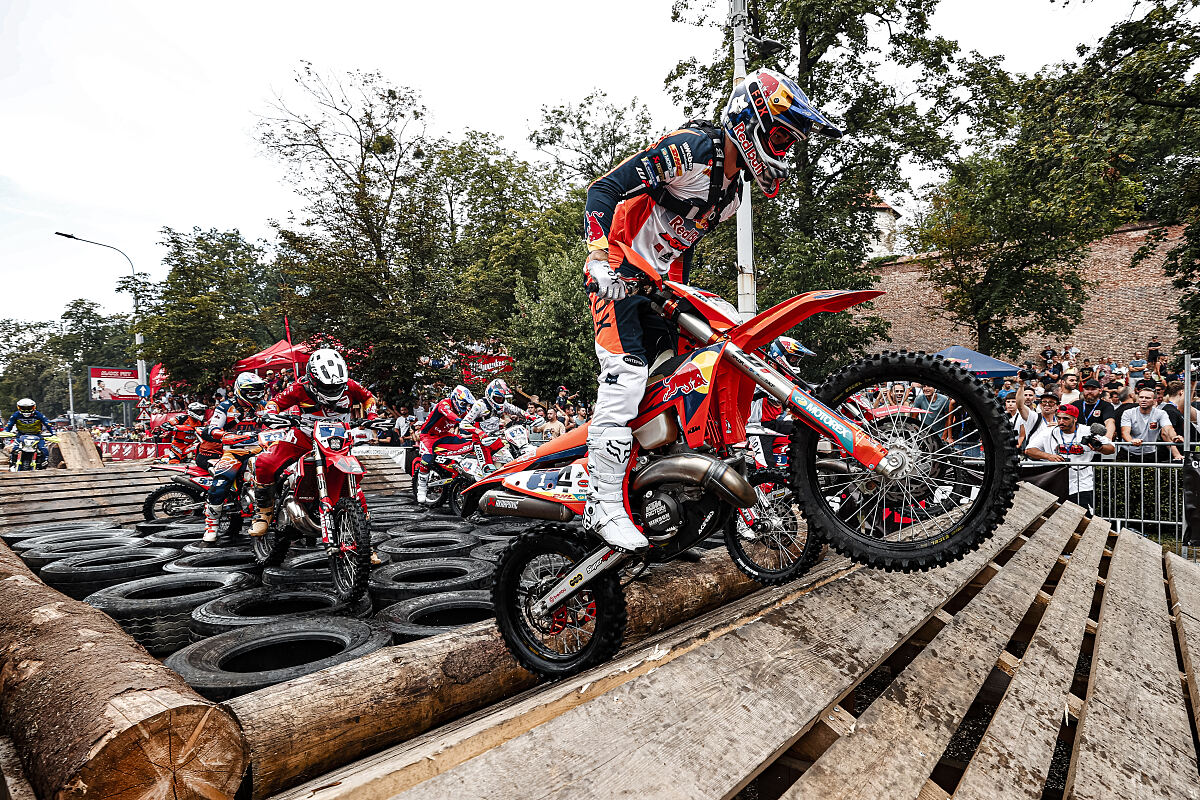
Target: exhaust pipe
[[498, 503], [705, 471], [291, 515]]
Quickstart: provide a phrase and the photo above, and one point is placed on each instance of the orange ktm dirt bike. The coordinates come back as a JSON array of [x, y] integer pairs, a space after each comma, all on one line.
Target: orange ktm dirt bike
[[905, 488]]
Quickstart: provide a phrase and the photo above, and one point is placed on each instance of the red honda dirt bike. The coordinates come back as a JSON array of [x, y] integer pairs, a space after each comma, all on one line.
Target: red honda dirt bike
[[183, 497], [319, 496], [900, 491], [457, 466]]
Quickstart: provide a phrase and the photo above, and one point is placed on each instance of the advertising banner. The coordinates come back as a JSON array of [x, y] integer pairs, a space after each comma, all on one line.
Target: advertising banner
[[132, 451], [112, 383], [485, 367]]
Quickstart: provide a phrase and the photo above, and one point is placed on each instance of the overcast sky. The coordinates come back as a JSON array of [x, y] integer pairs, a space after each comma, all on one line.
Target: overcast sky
[[120, 118]]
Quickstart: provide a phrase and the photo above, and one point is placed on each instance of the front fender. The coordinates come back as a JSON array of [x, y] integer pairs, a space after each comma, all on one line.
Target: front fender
[[765, 327], [343, 462]]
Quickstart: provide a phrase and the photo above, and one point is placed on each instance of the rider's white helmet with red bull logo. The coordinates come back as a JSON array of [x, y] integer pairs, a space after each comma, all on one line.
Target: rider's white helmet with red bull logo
[[767, 113]]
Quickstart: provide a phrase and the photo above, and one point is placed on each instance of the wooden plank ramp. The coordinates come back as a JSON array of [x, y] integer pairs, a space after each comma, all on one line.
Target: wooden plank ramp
[[1054, 662], [706, 722]]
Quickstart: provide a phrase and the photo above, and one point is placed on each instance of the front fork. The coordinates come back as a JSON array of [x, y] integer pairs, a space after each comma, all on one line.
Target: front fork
[[600, 560], [324, 504]]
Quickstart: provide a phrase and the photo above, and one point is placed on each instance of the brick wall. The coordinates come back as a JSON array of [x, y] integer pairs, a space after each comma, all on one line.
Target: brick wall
[[1125, 309]]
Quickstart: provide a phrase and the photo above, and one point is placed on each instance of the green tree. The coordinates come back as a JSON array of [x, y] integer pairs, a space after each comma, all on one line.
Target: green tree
[[552, 341], [367, 265], [217, 305], [1010, 233], [586, 140]]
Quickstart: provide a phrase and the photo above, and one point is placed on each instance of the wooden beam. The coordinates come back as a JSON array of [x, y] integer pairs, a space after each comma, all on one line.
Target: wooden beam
[[300, 729]]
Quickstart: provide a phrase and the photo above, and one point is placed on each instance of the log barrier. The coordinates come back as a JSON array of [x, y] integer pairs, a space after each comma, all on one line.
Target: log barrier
[[92, 714]]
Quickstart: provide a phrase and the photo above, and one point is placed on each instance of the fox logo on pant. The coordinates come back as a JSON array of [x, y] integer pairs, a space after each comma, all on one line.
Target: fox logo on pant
[[618, 450]]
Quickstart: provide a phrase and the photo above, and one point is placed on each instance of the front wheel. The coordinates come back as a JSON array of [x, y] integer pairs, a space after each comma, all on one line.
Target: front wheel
[[173, 502], [960, 457], [350, 558], [585, 630], [775, 548], [453, 494]]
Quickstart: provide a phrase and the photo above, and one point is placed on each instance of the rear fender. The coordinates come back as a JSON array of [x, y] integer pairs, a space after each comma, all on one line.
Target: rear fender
[[764, 328]]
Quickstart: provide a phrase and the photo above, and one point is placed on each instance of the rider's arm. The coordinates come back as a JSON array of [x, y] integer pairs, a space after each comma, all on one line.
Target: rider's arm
[[12, 421], [360, 395], [467, 424], [215, 430]]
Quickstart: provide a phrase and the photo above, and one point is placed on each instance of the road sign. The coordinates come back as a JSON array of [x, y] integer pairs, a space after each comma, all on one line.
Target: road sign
[[143, 403], [143, 390], [144, 416]]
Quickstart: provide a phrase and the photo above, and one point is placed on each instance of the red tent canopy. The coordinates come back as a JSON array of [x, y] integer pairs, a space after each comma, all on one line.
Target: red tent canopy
[[278, 355]]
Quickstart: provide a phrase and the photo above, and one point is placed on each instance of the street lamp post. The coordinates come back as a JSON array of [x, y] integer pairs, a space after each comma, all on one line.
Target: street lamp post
[[739, 20], [138, 339]]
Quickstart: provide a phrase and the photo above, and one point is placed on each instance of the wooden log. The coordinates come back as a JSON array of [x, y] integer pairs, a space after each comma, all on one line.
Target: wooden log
[[91, 714], [308, 726]]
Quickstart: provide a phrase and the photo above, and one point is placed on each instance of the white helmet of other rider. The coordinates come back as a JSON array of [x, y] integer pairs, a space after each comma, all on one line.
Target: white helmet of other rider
[[328, 375]]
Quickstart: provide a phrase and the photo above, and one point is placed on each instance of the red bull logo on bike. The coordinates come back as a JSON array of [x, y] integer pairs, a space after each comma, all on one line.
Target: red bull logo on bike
[[694, 376]]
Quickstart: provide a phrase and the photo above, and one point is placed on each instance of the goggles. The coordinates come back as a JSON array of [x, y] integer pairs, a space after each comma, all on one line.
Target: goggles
[[780, 140]]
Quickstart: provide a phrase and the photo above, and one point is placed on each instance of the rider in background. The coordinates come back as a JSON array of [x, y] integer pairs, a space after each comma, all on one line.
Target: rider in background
[[439, 430], [183, 430], [234, 424], [326, 390], [485, 416], [28, 421], [659, 203]]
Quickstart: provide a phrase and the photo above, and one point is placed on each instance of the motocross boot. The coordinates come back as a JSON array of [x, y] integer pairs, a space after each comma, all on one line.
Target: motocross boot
[[609, 450], [264, 500], [423, 486], [212, 511]]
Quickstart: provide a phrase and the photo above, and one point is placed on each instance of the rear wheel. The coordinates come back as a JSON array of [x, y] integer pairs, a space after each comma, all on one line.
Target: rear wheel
[[960, 468], [453, 495], [173, 502], [350, 561], [583, 631], [776, 548]]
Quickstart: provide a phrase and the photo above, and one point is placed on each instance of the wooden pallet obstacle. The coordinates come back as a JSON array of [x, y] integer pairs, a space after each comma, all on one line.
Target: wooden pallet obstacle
[[91, 714], [1056, 661], [118, 491], [79, 450], [310, 725]]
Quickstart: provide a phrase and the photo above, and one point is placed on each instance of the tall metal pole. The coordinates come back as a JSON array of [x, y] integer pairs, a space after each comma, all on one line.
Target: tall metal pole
[[747, 286], [138, 339], [71, 396]]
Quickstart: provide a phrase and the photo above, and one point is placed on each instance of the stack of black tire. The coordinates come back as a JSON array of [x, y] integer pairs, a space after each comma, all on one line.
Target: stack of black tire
[[229, 626]]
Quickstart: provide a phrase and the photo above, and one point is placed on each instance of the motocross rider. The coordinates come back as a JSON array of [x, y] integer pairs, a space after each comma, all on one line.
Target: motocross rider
[[28, 421], [326, 390], [768, 413], [183, 430], [439, 430], [659, 203], [484, 415], [234, 424]]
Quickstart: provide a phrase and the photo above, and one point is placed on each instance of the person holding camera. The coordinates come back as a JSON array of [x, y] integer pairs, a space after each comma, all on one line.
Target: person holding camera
[[1068, 442]]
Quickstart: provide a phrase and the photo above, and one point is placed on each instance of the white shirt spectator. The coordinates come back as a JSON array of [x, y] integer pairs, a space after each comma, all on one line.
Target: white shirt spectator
[[1072, 448], [1146, 427]]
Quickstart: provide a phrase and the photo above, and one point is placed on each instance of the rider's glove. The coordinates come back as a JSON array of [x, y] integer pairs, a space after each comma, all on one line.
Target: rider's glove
[[604, 281]]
